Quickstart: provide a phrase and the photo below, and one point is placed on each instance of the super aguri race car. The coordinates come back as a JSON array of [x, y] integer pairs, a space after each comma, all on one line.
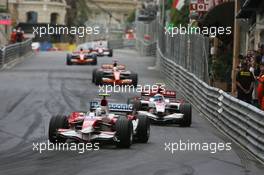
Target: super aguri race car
[[162, 106], [114, 74], [82, 57], [114, 124]]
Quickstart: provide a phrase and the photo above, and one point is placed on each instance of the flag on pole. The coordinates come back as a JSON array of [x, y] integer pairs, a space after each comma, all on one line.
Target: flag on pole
[[178, 4]]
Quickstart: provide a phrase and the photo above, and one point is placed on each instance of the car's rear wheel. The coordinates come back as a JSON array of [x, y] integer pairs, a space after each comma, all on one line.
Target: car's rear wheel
[[143, 129], [95, 60], [137, 106], [124, 132], [110, 53], [186, 110], [57, 122], [134, 78], [94, 75], [98, 78], [68, 59]]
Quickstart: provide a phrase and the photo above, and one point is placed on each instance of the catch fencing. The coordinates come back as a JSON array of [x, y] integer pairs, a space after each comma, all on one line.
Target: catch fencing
[[13, 51], [146, 37], [243, 122]]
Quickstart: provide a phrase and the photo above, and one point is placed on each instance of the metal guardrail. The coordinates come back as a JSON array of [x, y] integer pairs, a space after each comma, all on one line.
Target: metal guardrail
[[182, 59], [11, 52], [244, 123]]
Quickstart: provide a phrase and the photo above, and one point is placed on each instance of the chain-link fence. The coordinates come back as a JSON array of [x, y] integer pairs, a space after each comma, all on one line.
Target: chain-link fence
[[188, 51]]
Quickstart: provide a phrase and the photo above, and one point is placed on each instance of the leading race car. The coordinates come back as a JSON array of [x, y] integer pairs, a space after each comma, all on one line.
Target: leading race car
[[105, 122], [114, 74], [82, 57], [162, 106]]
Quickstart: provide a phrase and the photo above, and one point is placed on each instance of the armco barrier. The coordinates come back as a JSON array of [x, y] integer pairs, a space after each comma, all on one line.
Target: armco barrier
[[13, 51], [244, 123]]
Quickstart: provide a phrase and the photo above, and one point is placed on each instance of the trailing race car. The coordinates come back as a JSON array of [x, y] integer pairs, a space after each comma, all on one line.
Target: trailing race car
[[114, 74], [104, 123], [162, 106], [82, 57]]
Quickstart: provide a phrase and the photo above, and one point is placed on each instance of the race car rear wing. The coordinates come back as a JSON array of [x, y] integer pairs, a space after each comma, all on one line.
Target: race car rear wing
[[113, 107], [166, 93]]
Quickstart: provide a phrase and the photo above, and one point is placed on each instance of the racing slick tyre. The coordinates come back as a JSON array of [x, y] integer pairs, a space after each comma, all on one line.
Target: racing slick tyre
[[124, 132], [143, 129], [57, 122], [98, 78], [136, 105], [110, 53], [68, 59], [186, 110], [95, 60], [134, 78], [94, 75]]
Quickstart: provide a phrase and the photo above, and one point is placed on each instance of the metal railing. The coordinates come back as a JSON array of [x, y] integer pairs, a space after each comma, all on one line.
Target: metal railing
[[189, 51], [244, 123], [13, 51]]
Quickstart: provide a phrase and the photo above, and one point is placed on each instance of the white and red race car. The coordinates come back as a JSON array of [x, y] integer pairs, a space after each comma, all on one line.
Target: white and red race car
[[101, 48], [117, 125], [114, 74], [162, 106]]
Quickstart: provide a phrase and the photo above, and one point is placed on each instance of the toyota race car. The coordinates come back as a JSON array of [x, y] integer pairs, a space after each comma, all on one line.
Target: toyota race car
[[81, 57], [162, 106], [114, 74], [112, 123]]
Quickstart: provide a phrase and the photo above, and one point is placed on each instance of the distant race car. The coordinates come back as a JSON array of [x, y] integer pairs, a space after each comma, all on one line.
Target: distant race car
[[162, 106], [100, 48], [114, 74], [82, 57], [103, 51], [112, 123]]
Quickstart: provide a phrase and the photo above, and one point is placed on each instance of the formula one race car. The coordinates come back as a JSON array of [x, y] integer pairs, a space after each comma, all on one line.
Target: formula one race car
[[82, 57], [104, 123], [101, 48], [102, 51], [162, 106], [114, 74]]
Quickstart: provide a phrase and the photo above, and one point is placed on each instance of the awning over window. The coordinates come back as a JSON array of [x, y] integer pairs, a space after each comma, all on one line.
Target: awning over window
[[221, 16]]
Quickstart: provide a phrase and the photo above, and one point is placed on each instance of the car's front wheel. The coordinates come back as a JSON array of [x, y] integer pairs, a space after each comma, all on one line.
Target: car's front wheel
[[57, 122], [143, 129], [186, 110], [124, 132]]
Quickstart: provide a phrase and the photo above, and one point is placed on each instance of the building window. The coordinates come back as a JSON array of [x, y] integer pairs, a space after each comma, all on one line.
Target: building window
[[32, 17], [54, 18]]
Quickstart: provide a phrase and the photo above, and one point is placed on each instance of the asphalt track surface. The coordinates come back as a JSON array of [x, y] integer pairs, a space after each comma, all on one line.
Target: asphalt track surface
[[42, 86]]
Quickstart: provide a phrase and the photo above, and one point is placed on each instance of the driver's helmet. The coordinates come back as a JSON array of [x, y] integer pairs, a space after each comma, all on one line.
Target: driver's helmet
[[115, 63], [103, 111], [81, 49], [98, 111], [115, 69], [158, 98]]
